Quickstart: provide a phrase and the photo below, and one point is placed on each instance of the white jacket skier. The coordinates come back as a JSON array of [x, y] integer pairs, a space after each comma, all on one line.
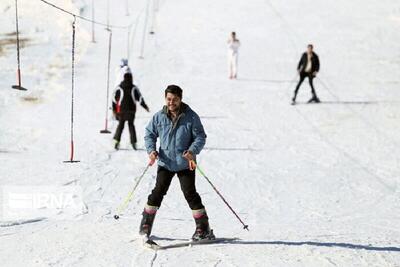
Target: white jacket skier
[[233, 53], [121, 71]]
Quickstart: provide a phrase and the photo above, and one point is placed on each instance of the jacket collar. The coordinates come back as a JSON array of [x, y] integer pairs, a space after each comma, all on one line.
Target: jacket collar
[[183, 108]]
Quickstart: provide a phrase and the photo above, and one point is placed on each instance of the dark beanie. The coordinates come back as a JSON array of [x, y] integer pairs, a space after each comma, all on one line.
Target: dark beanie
[[174, 89]]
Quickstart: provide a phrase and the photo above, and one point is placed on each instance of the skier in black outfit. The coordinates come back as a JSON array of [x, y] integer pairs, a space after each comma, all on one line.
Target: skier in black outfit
[[308, 67], [124, 104]]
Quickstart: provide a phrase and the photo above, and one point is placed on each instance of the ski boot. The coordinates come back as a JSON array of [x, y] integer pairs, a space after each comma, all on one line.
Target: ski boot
[[203, 230], [314, 99], [149, 213], [134, 146], [116, 146], [293, 101]]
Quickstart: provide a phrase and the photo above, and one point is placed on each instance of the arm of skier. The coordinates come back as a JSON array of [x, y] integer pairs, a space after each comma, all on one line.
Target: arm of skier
[[300, 65], [139, 98], [150, 139], [317, 65]]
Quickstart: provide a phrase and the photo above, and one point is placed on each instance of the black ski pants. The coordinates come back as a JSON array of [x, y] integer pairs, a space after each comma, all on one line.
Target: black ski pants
[[187, 181], [310, 77], [126, 117]]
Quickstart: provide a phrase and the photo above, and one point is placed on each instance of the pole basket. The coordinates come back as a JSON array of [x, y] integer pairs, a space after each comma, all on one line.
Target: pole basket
[[18, 87]]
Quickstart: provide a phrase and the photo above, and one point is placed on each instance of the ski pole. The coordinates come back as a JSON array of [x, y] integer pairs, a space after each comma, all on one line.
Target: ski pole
[[130, 194], [192, 163]]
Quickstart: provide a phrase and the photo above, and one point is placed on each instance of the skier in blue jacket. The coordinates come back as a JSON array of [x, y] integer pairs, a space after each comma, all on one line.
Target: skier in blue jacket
[[182, 137]]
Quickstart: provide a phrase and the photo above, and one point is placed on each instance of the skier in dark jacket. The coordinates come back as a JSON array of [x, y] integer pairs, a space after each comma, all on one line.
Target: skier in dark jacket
[[182, 137], [308, 67], [124, 104]]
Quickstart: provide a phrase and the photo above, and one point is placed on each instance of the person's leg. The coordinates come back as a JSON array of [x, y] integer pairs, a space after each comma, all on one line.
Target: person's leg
[[235, 65], [310, 79], [230, 64], [302, 77], [118, 132], [132, 130], [187, 181], [163, 181], [314, 97]]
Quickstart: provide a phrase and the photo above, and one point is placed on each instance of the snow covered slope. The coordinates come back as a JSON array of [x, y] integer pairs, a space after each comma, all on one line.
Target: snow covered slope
[[317, 184]]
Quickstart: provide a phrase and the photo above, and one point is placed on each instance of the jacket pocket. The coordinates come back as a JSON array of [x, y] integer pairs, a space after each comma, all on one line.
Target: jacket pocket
[[163, 132], [183, 137]]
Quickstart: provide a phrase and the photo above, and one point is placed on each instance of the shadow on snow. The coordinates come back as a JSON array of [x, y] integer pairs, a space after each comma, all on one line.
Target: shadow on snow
[[317, 244]]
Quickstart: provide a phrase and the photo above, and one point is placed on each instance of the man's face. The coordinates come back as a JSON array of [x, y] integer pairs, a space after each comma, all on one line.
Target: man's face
[[309, 49], [173, 102]]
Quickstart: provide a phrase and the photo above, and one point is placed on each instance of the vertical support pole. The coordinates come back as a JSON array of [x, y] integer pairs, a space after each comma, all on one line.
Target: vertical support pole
[[93, 27], [127, 7], [106, 131], [145, 29], [19, 85], [71, 160]]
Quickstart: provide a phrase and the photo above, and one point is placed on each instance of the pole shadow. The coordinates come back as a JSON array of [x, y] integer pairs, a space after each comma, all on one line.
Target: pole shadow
[[368, 247], [265, 80], [231, 149], [348, 103], [3, 151], [353, 102], [130, 149], [158, 238]]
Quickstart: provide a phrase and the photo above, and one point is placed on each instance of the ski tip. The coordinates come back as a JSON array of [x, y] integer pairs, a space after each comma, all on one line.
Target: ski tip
[[151, 244]]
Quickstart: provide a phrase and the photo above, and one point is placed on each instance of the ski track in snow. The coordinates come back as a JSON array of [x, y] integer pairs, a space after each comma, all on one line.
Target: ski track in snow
[[317, 184]]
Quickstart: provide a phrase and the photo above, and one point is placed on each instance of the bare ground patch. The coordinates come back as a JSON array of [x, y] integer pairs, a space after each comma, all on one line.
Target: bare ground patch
[[9, 41]]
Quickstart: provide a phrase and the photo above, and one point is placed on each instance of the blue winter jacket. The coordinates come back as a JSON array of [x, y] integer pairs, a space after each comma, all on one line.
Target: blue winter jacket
[[186, 134]]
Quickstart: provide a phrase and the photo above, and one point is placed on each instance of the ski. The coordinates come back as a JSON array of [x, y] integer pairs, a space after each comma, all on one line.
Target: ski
[[149, 243]]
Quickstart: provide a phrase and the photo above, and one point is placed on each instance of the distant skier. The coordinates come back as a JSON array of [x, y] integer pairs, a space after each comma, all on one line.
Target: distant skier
[[121, 70], [308, 67], [233, 53], [182, 137], [125, 96]]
